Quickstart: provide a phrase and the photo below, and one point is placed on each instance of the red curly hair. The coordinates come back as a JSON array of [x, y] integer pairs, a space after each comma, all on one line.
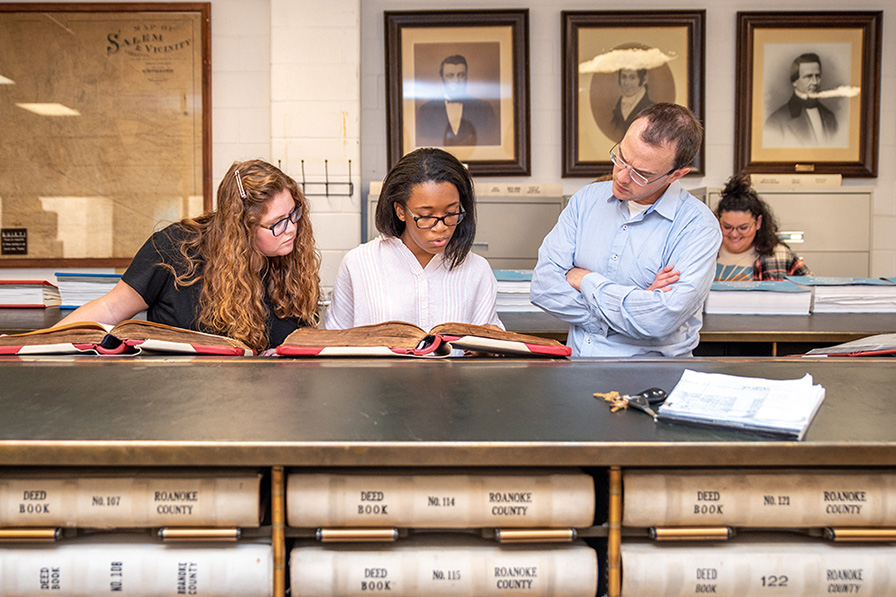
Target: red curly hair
[[221, 253]]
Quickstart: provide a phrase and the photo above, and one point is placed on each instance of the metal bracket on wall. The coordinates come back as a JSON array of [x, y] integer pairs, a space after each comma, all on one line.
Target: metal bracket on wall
[[330, 189]]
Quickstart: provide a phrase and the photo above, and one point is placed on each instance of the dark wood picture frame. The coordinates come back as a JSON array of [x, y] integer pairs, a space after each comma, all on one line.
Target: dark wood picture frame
[[495, 47], [138, 76], [590, 128], [848, 45]]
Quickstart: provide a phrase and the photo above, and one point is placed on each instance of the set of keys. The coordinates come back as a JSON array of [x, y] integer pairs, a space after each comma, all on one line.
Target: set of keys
[[643, 401]]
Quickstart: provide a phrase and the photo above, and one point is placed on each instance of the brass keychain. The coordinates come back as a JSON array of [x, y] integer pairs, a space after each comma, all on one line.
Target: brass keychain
[[616, 401]]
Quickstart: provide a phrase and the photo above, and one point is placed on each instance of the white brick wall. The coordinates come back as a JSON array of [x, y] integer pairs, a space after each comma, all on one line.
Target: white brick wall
[[315, 113]]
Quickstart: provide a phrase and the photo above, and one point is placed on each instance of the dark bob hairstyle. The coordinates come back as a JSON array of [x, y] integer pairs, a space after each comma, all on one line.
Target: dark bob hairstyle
[[429, 164]]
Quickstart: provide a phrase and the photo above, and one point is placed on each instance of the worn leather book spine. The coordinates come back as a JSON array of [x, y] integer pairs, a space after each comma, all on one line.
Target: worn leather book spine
[[81, 569], [785, 567], [131, 500], [440, 501], [444, 568], [790, 498]]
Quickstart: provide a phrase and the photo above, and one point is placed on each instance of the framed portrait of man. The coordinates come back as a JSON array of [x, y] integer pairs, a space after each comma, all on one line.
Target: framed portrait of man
[[808, 92], [107, 127], [459, 80], [618, 63]]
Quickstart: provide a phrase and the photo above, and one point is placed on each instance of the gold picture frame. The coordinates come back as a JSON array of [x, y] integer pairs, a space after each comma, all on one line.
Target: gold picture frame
[[488, 49], [107, 112], [773, 132]]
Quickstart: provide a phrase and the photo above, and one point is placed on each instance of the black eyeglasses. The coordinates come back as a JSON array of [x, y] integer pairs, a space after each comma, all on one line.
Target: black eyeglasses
[[636, 176], [427, 222], [279, 227]]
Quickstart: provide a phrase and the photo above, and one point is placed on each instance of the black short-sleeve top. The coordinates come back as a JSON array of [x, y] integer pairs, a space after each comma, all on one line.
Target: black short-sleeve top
[[179, 305]]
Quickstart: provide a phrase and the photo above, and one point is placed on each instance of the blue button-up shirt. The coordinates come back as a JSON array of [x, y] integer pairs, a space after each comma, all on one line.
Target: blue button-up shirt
[[614, 315]]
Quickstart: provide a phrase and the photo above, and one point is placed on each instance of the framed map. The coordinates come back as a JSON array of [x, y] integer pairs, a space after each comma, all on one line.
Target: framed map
[[106, 113]]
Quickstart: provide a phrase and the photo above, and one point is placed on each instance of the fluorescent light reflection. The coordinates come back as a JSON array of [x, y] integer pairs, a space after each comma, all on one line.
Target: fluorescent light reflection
[[50, 109], [5, 81]]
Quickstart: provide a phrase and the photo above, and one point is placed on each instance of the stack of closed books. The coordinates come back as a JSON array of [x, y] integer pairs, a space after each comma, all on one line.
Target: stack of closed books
[[513, 290], [28, 293], [77, 289], [413, 532], [766, 297], [849, 295], [91, 532]]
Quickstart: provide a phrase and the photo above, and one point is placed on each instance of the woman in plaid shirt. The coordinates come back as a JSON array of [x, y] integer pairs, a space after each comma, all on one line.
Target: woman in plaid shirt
[[750, 247]]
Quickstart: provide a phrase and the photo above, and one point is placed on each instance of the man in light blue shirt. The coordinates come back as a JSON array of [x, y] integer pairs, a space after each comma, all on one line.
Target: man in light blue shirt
[[630, 262]]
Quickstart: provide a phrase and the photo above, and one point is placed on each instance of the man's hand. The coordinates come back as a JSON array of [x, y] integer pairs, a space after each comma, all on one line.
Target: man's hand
[[664, 278], [574, 277]]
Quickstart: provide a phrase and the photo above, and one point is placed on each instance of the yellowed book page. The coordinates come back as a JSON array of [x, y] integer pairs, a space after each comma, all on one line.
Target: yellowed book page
[[440, 501], [468, 329], [131, 500], [444, 568], [84, 332], [755, 498], [788, 567], [393, 334], [141, 330]]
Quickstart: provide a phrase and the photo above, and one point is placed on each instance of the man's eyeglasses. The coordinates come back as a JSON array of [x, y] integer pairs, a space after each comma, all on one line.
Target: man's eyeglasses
[[427, 222], [636, 176], [743, 228], [279, 227]]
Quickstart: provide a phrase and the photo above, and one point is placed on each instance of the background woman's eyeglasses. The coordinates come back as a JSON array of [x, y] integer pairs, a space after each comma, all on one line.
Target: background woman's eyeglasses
[[427, 222], [279, 227], [743, 228]]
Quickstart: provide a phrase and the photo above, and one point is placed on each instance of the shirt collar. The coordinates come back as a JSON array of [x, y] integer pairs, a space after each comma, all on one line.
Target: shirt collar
[[669, 201], [666, 205]]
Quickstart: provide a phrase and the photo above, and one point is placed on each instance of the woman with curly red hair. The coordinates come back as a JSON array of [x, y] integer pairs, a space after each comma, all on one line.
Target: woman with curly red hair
[[248, 270]]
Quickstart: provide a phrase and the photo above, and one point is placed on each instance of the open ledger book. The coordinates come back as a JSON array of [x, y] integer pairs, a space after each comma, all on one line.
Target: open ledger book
[[872, 346], [782, 408], [399, 338], [128, 337]]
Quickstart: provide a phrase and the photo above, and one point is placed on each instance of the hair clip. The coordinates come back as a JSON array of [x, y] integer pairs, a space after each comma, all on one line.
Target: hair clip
[[239, 184]]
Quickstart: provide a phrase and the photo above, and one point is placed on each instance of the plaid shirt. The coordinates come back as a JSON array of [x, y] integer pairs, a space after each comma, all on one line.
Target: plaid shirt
[[782, 262]]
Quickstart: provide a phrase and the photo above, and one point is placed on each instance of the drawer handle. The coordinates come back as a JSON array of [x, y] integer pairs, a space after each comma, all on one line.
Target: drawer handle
[[791, 236], [482, 245]]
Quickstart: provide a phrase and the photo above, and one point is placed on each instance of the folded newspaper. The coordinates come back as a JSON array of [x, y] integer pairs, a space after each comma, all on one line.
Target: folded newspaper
[[780, 408]]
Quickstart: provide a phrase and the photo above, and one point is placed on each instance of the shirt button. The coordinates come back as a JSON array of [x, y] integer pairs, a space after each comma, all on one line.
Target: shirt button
[[615, 257], [625, 227], [587, 340]]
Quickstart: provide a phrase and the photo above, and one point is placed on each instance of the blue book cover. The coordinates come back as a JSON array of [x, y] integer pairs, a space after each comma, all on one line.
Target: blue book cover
[[78, 288], [765, 285], [513, 275], [84, 275], [837, 281]]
